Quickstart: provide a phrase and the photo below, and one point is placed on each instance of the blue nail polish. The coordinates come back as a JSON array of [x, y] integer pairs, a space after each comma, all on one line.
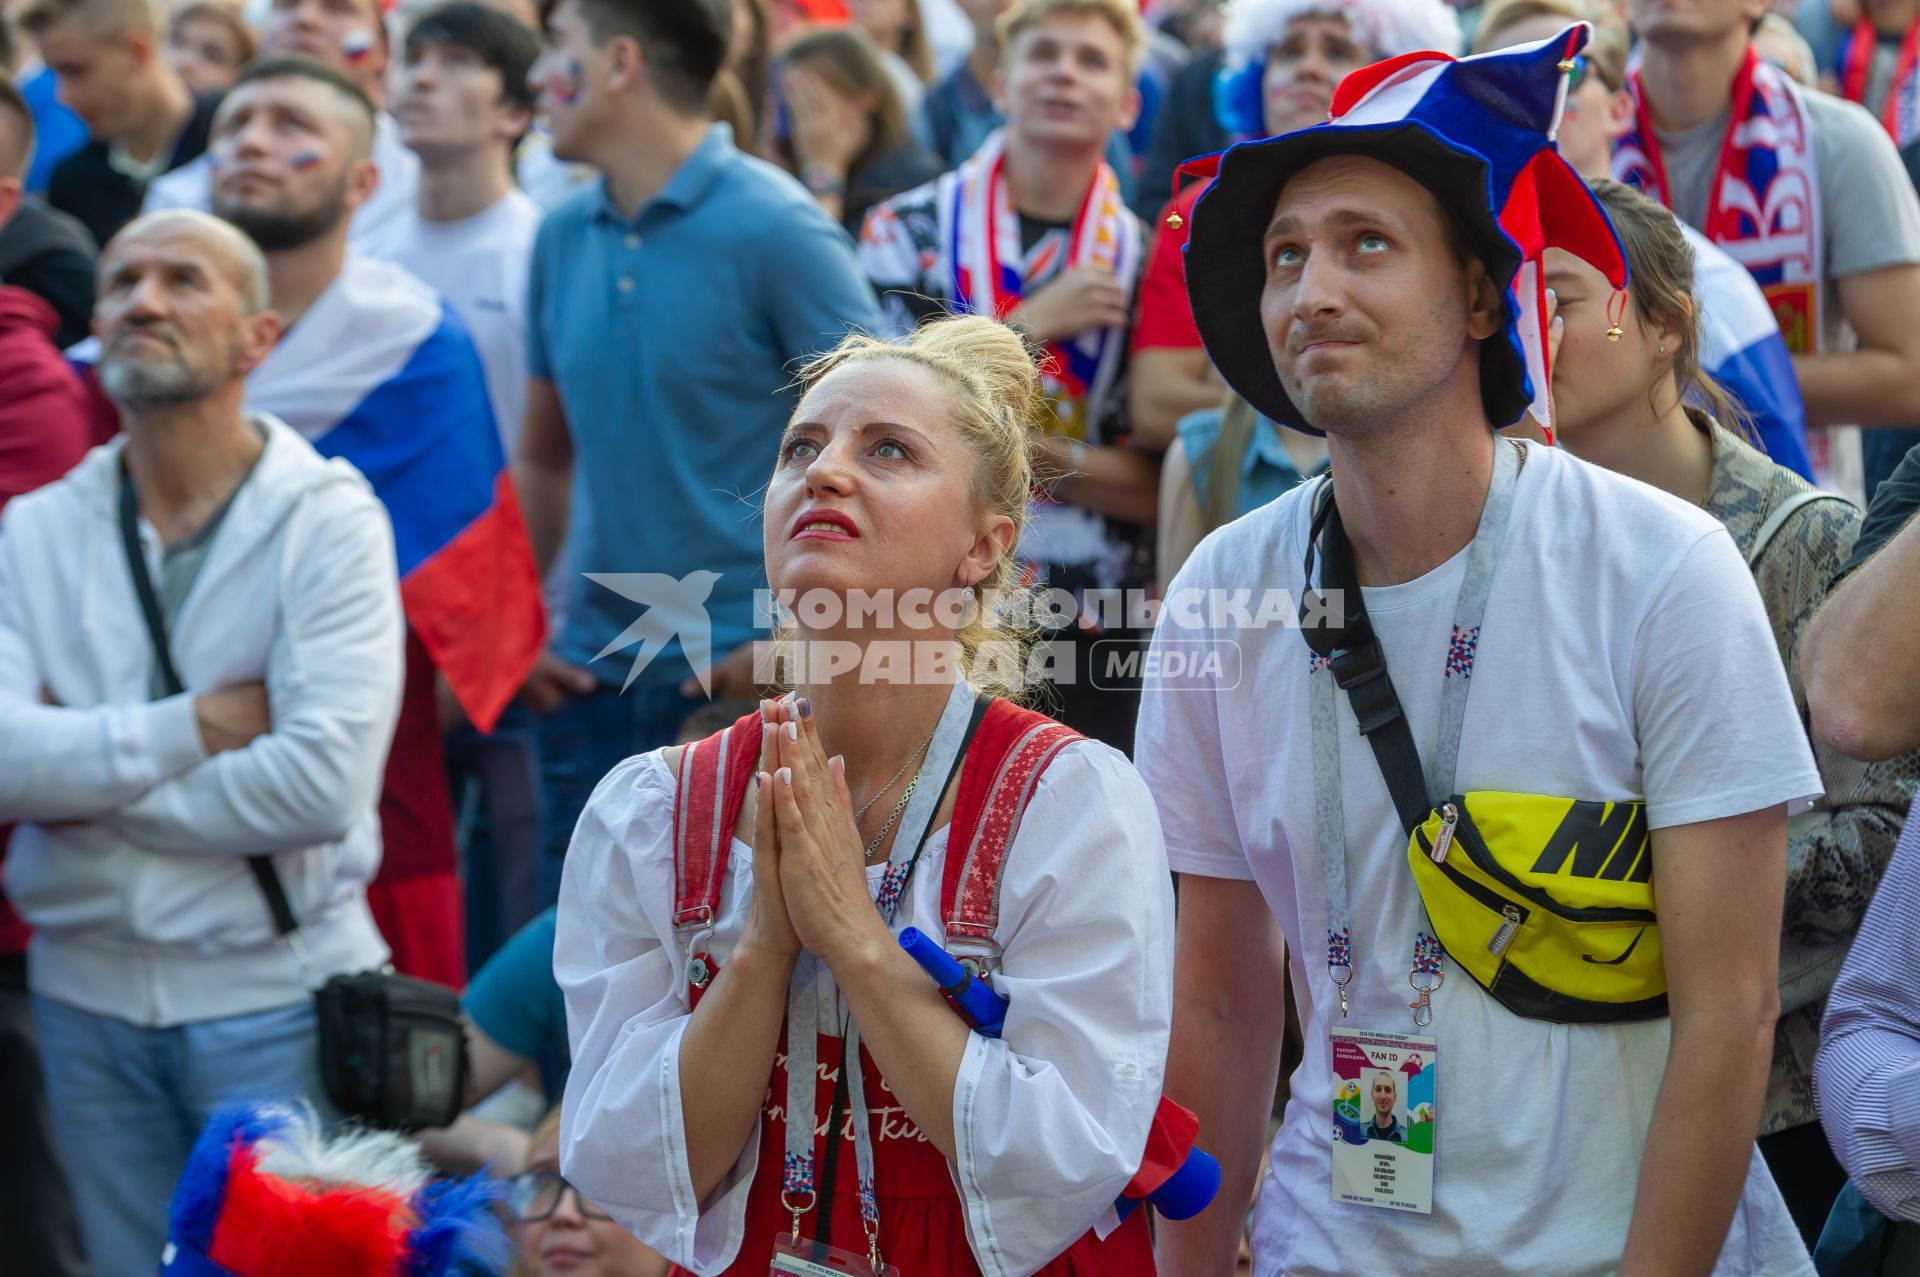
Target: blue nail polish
[[793, 730], [806, 708]]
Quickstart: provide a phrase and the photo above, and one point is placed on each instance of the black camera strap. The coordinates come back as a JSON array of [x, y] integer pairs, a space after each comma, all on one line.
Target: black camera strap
[[284, 923], [1334, 622]]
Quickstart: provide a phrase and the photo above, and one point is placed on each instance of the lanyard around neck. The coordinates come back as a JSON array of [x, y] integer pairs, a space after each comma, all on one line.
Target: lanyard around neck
[[1483, 556], [797, 1185]]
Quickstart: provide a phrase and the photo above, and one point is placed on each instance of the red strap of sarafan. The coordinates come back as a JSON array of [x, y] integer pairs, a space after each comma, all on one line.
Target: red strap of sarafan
[[713, 779], [1009, 751]]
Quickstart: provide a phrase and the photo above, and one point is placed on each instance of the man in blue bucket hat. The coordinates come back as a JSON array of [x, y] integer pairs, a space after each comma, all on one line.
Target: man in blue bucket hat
[[1526, 685]]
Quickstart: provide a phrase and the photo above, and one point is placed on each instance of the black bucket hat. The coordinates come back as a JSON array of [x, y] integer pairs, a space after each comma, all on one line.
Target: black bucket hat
[[1478, 134]]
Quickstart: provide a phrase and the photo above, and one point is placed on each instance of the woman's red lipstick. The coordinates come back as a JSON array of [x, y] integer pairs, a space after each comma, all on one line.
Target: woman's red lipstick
[[823, 525]]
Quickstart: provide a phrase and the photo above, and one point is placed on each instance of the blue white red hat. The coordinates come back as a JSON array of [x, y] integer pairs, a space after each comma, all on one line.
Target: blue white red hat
[[267, 1194], [1478, 133]]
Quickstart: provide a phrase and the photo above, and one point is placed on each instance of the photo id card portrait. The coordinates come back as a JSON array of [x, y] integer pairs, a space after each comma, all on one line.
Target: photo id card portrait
[[1383, 1117]]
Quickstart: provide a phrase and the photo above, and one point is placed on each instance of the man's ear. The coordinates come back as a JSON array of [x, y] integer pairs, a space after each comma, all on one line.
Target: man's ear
[[1486, 302], [997, 91], [515, 121], [626, 64], [1129, 107], [258, 333], [9, 198], [363, 178]]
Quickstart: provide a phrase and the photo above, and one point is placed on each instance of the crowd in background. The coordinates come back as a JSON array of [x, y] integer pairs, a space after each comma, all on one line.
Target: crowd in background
[[542, 276]]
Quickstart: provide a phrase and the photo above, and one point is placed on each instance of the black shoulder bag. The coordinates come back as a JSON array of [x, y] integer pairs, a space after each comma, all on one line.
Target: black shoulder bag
[[393, 1049]]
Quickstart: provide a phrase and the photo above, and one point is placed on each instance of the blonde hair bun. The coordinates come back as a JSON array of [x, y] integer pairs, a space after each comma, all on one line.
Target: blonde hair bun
[[997, 405]]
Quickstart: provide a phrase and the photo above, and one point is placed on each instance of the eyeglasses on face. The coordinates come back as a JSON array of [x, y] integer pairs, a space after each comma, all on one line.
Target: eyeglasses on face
[[534, 1195]]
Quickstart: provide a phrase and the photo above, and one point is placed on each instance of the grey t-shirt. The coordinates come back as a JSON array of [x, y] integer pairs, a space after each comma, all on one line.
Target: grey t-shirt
[[1870, 218], [1880, 69], [180, 565]]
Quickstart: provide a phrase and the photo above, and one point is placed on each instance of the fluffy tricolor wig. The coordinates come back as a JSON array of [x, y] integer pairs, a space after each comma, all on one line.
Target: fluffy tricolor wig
[[1387, 29], [267, 1194]]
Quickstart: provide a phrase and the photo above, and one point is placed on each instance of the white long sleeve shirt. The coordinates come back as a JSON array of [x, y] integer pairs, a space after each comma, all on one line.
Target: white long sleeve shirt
[[1050, 1120]]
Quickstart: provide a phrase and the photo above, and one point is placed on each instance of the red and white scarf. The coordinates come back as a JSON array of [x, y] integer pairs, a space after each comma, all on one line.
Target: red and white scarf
[[991, 274], [1764, 205], [1900, 114]]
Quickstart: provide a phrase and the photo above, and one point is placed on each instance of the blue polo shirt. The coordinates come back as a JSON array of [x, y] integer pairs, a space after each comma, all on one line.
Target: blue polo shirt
[[672, 339]]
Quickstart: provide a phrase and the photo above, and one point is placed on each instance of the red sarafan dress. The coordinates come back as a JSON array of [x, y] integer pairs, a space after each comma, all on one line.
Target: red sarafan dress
[[922, 1230]]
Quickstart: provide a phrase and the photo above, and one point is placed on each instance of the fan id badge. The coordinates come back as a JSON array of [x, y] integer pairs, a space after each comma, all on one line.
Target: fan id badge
[[803, 1257], [1383, 1120]]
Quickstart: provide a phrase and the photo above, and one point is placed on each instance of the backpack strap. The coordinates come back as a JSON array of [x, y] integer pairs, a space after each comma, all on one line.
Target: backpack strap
[[1237, 425], [1009, 751], [713, 779], [1781, 513]]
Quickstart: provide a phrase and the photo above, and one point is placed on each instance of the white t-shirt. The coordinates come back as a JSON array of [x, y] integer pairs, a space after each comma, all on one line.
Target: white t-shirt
[[1624, 653], [374, 222], [479, 264], [542, 174]]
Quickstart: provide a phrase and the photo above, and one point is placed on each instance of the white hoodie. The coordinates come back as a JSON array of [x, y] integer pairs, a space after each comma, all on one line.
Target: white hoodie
[[130, 859]]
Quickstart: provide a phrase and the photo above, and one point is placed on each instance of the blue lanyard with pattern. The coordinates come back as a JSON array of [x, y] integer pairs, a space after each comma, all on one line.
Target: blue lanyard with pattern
[[797, 1185]]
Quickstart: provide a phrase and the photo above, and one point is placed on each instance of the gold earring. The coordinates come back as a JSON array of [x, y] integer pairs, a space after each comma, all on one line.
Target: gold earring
[[1175, 221]]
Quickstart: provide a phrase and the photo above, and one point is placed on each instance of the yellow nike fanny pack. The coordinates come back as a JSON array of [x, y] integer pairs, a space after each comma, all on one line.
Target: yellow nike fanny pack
[[1546, 902]]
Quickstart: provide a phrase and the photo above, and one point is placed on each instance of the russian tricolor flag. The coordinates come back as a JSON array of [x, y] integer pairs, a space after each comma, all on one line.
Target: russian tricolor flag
[[380, 372], [1740, 344]]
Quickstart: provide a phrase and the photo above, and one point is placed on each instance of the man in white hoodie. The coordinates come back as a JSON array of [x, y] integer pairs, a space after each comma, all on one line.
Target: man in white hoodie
[[160, 987]]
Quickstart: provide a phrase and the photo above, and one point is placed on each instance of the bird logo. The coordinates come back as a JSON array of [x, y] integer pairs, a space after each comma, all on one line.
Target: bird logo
[[676, 607]]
